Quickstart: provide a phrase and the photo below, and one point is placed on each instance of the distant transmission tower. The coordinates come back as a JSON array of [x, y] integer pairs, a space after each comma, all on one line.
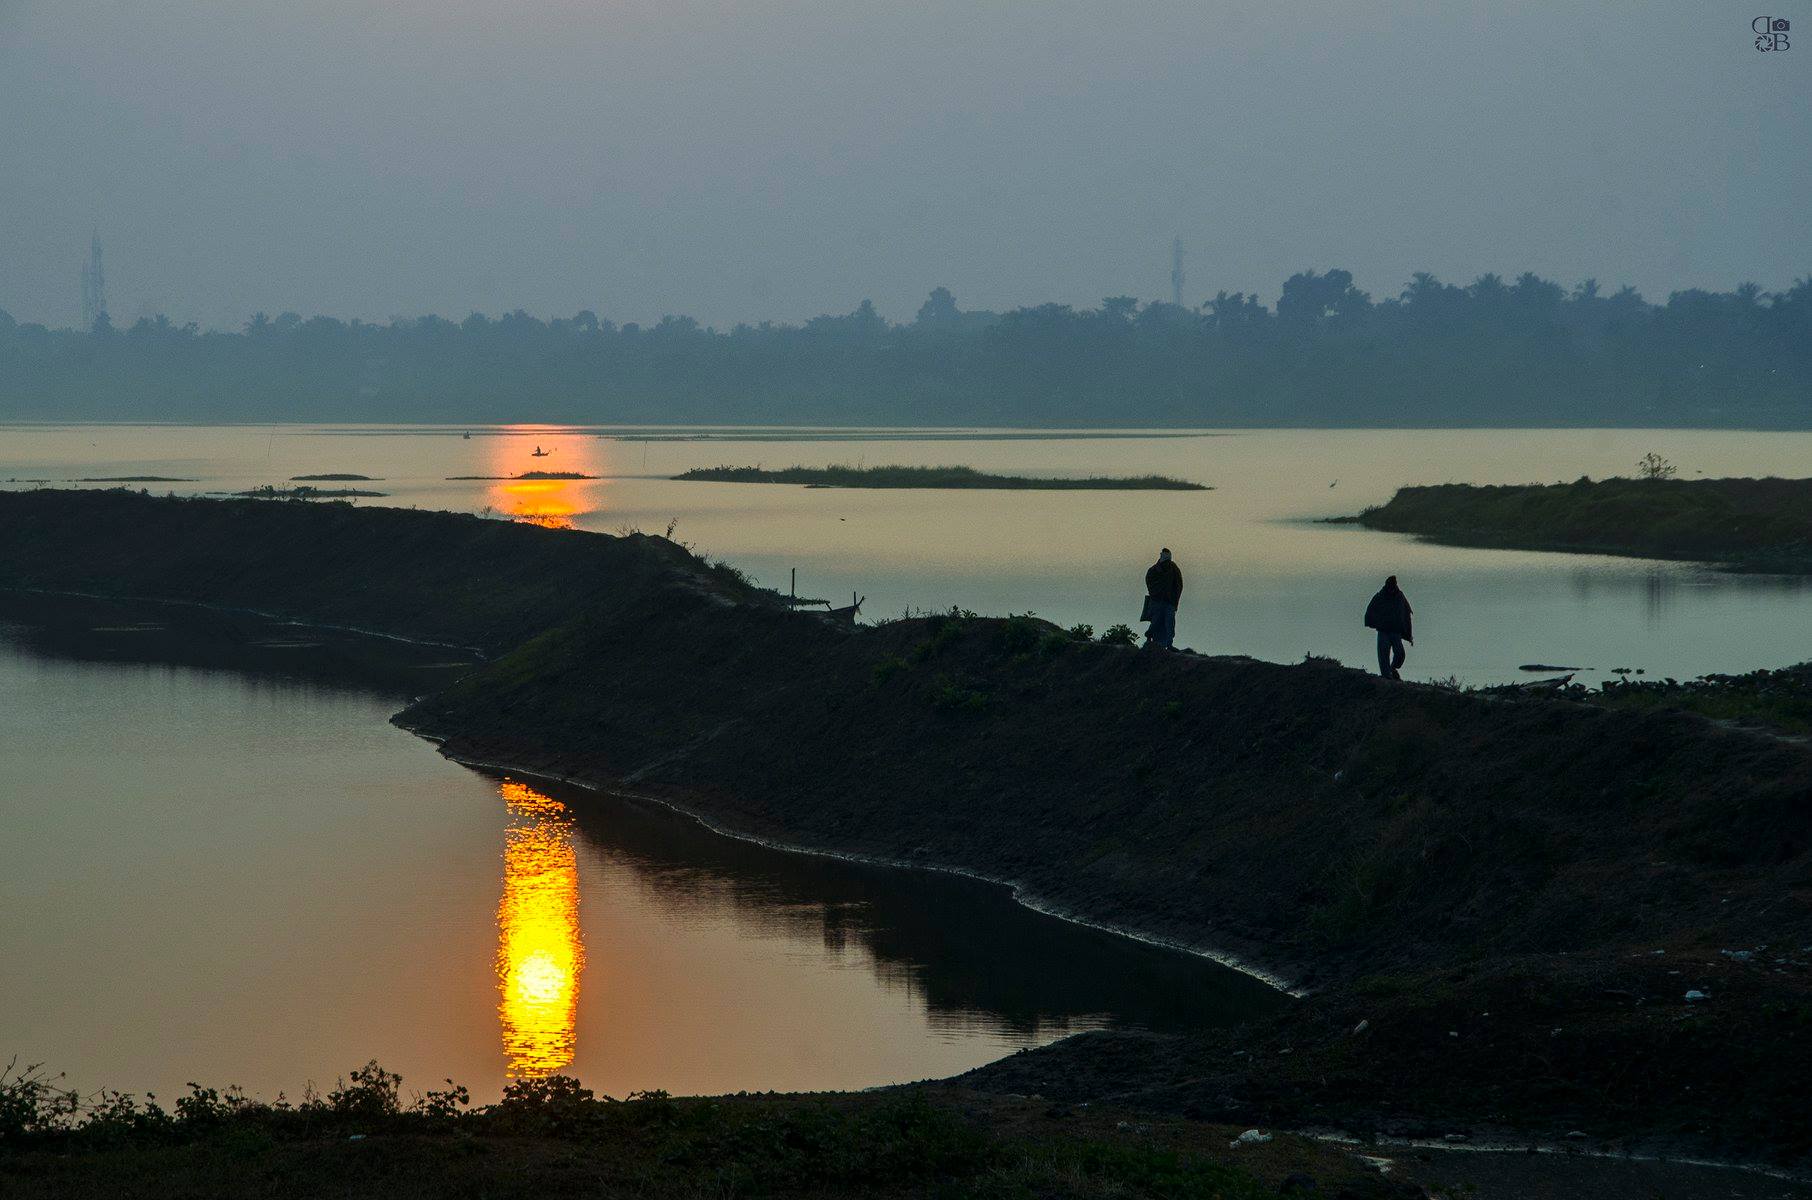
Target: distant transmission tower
[[1176, 272], [94, 285]]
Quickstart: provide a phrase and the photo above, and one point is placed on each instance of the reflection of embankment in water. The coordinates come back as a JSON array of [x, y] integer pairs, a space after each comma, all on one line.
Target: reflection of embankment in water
[[970, 953], [1662, 584], [539, 954], [265, 652]]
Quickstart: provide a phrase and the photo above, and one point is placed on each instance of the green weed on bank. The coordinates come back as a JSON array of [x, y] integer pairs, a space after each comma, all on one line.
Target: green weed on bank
[[367, 1136]]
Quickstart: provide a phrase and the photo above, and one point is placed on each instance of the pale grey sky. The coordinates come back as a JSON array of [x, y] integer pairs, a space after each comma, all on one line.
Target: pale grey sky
[[750, 159]]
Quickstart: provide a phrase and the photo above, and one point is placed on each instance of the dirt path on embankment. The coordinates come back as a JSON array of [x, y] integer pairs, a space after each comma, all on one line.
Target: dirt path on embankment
[[1472, 890]]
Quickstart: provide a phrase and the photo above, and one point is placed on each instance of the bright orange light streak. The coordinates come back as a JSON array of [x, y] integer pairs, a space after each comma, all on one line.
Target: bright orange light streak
[[539, 953]]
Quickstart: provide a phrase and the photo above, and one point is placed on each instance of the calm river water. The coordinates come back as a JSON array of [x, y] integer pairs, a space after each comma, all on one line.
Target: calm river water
[[1263, 578], [220, 863]]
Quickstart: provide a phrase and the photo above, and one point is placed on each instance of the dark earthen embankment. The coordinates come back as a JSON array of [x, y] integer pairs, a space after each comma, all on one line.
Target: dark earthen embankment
[[1418, 858], [432, 576], [1315, 819]]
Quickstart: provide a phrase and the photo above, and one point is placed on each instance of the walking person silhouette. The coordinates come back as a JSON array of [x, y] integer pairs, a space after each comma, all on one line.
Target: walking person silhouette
[[1163, 591], [1389, 613]]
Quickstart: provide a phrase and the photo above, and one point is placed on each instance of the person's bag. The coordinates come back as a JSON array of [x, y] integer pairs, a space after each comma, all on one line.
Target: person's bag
[[1145, 611]]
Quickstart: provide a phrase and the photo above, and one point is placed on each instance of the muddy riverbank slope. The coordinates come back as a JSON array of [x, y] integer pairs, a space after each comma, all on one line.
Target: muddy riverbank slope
[[1473, 890]]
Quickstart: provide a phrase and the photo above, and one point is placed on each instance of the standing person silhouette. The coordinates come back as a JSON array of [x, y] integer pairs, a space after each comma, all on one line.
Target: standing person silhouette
[[1389, 613], [1163, 591]]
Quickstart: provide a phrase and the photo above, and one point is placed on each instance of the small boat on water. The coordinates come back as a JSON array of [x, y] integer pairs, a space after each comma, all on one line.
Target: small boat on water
[[540, 453]]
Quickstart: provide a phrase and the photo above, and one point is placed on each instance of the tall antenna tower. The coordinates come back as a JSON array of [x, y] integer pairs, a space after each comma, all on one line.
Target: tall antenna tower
[[94, 285], [1176, 272]]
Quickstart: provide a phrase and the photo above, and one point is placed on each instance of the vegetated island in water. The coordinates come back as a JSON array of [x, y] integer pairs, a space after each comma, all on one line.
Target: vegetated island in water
[[1512, 911], [1742, 524], [934, 477], [271, 491], [333, 477], [113, 479], [524, 475]]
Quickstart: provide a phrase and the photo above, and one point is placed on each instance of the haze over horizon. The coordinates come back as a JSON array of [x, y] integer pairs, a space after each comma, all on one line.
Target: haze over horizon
[[782, 158]]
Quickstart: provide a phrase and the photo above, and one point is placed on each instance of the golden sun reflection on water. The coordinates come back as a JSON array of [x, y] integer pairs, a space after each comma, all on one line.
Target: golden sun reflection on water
[[539, 955], [551, 503]]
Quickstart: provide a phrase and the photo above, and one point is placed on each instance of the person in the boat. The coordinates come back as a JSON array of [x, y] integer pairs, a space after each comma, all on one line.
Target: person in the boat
[[1163, 592], [1389, 613]]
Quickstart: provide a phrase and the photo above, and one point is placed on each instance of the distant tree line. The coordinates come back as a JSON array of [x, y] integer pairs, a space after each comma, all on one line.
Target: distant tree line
[[1493, 352]]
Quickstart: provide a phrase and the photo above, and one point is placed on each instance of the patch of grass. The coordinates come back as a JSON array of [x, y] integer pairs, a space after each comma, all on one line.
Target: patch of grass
[[1119, 635], [950, 695], [1360, 889], [555, 1137], [1411, 857], [302, 492], [888, 667], [1087, 1168], [1755, 524], [942, 630], [567, 475], [1779, 699], [1020, 633], [733, 575], [931, 477]]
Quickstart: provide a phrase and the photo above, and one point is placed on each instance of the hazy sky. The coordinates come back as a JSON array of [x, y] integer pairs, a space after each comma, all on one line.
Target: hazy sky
[[749, 159]]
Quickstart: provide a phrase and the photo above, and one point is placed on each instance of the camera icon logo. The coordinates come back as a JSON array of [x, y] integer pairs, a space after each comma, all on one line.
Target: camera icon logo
[[1771, 33]]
